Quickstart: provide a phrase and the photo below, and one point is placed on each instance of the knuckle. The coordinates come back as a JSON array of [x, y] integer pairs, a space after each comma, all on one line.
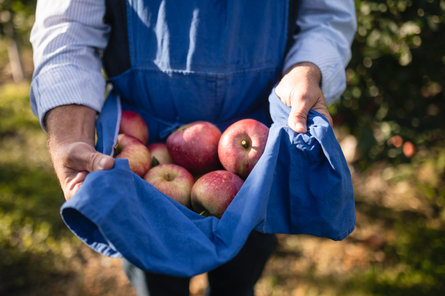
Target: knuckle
[[283, 95], [300, 116], [93, 161]]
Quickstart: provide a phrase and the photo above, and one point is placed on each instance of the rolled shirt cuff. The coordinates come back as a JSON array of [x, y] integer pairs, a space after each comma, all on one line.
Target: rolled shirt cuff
[[65, 85]]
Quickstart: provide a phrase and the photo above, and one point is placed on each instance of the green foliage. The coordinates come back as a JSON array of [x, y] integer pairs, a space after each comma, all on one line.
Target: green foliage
[[34, 243], [19, 14], [395, 78], [415, 259], [14, 101], [16, 19], [415, 265]]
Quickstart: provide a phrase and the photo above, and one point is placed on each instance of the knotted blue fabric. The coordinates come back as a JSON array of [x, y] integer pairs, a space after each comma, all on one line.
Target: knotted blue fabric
[[301, 185]]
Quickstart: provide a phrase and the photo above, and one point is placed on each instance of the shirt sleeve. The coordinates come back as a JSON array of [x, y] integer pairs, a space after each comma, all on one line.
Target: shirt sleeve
[[67, 39], [324, 37]]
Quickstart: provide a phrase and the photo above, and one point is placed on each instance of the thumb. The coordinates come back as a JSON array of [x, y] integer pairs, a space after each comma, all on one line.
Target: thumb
[[298, 118], [83, 157], [98, 162]]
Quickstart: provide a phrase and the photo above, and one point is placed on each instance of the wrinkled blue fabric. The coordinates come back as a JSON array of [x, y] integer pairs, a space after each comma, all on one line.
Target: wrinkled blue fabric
[[301, 185], [196, 60]]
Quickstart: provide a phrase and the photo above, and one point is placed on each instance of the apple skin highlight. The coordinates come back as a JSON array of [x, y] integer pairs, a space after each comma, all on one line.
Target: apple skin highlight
[[138, 155], [134, 125], [195, 147]]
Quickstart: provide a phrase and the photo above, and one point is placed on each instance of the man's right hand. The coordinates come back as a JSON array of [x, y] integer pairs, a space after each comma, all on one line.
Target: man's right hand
[[71, 145]]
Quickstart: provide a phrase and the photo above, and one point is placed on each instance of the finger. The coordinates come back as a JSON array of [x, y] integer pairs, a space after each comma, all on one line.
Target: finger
[[325, 113], [99, 162], [297, 120], [298, 115], [321, 108], [74, 184], [78, 179]]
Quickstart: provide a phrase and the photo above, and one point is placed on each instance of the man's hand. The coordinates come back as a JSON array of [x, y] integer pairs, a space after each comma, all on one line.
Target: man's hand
[[71, 145], [300, 89]]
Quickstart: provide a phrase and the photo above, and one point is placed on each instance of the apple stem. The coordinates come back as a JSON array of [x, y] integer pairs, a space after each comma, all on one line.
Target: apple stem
[[205, 213], [245, 144]]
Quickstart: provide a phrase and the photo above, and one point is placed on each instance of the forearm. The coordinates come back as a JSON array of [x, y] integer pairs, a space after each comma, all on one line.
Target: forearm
[[70, 123]]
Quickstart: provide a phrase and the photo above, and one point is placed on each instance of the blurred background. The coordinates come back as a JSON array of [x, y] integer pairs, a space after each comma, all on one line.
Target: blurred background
[[390, 123]]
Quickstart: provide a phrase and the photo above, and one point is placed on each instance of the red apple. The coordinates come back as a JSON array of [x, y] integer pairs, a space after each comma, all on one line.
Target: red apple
[[195, 146], [159, 154], [172, 180], [214, 191], [241, 145], [134, 125], [135, 151]]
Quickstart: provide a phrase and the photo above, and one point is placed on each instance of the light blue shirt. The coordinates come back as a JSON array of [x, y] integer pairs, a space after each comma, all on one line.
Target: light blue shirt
[[69, 36]]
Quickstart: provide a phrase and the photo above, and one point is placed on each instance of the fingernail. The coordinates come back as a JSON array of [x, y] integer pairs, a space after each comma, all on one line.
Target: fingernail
[[299, 127], [101, 165]]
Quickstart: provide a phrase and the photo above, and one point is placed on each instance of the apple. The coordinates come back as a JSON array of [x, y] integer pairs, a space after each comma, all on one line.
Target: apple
[[172, 180], [135, 151], [134, 125], [159, 154], [214, 191], [195, 146], [241, 145]]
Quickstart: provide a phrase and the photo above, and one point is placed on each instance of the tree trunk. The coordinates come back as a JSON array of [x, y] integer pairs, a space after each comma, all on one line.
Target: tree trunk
[[15, 59]]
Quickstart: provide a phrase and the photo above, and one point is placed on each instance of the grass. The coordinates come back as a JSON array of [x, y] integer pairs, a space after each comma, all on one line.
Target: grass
[[397, 248]]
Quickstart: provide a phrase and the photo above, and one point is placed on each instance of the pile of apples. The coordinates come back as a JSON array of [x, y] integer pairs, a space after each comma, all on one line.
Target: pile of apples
[[198, 166]]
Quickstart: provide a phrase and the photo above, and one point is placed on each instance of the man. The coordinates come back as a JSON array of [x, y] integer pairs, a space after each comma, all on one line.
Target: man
[[178, 62]]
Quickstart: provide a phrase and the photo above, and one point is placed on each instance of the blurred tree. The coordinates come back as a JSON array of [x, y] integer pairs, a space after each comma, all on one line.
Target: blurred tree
[[16, 18], [396, 79]]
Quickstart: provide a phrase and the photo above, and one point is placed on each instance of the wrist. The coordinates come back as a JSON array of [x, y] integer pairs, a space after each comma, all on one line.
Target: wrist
[[310, 70]]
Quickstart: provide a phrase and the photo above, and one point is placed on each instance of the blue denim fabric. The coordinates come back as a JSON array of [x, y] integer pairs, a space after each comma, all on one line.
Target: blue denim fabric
[[219, 67], [301, 185], [201, 60]]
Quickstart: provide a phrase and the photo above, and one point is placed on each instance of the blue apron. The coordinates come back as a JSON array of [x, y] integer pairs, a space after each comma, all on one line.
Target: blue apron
[[214, 61]]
